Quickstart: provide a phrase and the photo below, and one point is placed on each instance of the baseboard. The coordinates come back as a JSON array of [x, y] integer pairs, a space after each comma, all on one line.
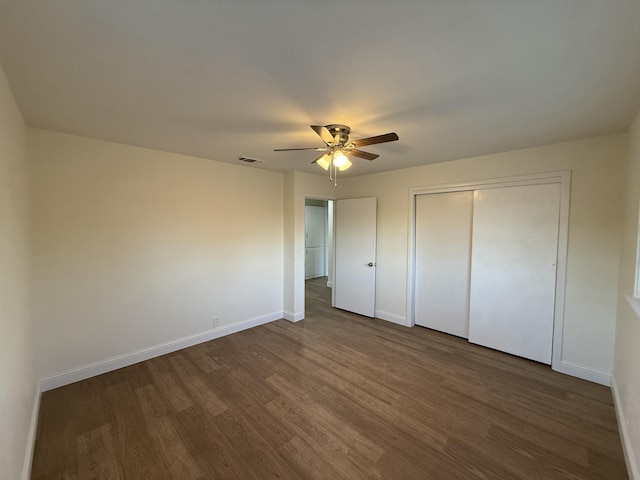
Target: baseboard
[[293, 317], [583, 373], [314, 276], [627, 448], [390, 317], [31, 437], [104, 366]]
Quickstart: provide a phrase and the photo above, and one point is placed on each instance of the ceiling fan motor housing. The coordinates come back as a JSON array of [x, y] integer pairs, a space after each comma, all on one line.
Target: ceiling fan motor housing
[[339, 132]]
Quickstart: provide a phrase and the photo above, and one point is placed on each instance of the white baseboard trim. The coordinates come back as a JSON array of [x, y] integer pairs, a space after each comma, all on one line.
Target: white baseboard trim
[[584, 373], [390, 317], [104, 366], [314, 276], [293, 317], [31, 436], [627, 448]]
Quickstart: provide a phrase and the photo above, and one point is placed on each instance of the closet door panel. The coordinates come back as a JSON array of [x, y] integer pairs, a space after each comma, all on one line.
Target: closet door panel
[[513, 269], [443, 248]]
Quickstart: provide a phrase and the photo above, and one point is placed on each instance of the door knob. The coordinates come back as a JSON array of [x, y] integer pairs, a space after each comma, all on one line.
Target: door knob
[[371, 264]]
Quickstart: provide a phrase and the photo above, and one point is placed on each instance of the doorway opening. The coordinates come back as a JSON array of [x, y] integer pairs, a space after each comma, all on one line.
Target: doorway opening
[[318, 236]]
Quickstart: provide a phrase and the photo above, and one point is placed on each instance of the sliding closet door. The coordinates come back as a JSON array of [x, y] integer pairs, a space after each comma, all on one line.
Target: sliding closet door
[[513, 269], [443, 249]]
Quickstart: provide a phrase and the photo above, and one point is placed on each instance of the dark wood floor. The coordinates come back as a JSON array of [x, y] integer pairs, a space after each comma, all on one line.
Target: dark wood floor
[[334, 396]]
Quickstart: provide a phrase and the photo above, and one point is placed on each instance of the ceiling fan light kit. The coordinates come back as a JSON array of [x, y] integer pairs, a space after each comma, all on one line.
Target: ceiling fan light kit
[[340, 160], [338, 147]]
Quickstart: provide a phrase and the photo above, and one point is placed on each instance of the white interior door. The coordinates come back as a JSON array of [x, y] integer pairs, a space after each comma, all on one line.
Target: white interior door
[[314, 224], [443, 261], [315, 219], [513, 269], [355, 255], [314, 262]]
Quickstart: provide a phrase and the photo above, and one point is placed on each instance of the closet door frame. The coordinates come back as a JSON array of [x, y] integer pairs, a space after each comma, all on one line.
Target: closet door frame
[[561, 177]]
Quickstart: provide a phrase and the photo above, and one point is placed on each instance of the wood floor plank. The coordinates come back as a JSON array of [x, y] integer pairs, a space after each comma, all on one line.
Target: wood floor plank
[[527, 456], [152, 402], [138, 375], [251, 448], [303, 459], [334, 396], [203, 395], [480, 465], [135, 450], [62, 412], [182, 364], [97, 457], [349, 434], [323, 439], [430, 436], [171, 389], [352, 375], [200, 355], [168, 444], [208, 445]]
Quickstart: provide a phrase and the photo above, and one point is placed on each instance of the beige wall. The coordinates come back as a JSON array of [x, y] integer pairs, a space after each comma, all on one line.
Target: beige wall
[[594, 231], [134, 247], [627, 357], [16, 347]]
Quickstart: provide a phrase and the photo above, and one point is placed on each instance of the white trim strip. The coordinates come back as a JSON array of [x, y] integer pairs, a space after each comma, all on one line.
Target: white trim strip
[[31, 437], [104, 366], [627, 448], [583, 373], [391, 317], [499, 182], [293, 317]]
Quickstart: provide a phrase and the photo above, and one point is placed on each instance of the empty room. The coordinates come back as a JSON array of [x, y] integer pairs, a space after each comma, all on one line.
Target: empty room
[[320, 240]]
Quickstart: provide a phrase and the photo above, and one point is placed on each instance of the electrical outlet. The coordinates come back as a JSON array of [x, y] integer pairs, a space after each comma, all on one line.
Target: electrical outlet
[[216, 321]]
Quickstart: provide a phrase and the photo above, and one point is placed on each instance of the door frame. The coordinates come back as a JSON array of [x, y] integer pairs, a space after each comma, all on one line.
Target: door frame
[[563, 178], [325, 226], [300, 279]]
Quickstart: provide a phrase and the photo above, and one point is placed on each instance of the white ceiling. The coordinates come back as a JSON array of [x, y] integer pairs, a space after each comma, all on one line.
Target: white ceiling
[[220, 79]]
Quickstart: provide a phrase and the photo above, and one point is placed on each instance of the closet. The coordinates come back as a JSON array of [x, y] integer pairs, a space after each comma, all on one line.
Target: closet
[[485, 265]]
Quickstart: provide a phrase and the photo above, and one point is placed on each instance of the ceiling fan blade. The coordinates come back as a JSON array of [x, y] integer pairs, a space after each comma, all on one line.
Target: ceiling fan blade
[[324, 133], [387, 137], [317, 149], [361, 154]]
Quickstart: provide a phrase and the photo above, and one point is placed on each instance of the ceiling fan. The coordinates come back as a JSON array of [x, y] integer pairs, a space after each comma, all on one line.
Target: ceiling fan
[[338, 147]]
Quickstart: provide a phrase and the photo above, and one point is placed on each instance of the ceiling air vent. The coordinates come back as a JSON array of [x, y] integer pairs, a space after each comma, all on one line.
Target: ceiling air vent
[[249, 160]]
